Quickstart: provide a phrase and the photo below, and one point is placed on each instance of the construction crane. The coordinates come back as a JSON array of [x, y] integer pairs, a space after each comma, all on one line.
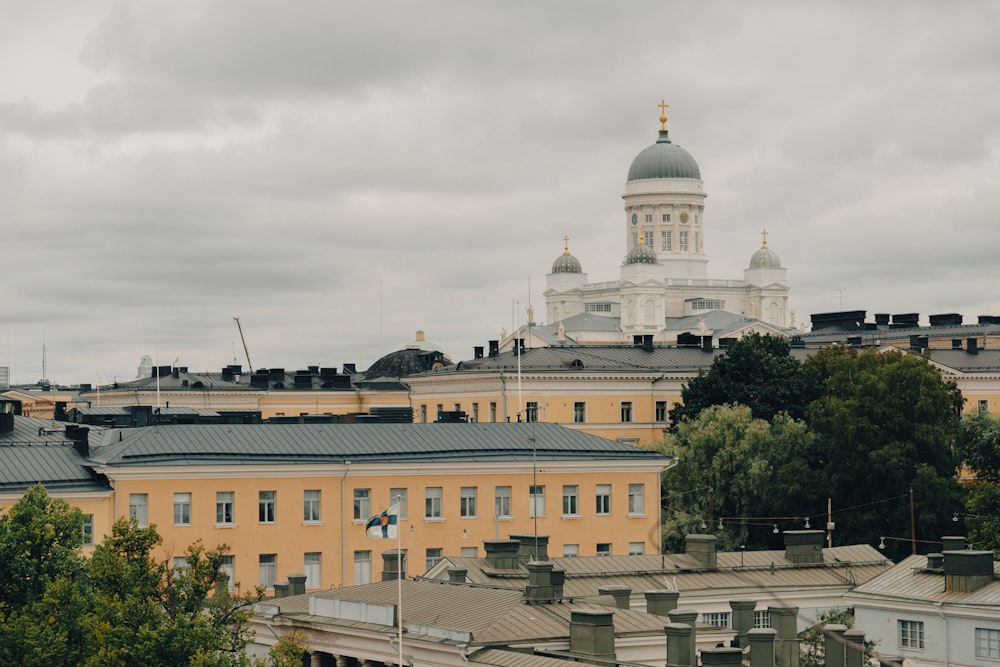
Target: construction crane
[[249, 363]]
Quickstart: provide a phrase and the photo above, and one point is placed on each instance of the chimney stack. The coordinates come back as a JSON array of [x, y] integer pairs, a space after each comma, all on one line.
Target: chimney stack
[[742, 619], [621, 594], [967, 571], [804, 547], [762, 647], [540, 585], [296, 584], [661, 602], [701, 548], [393, 565], [502, 554], [532, 547], [592, 633], [679, 644], [786, 642]]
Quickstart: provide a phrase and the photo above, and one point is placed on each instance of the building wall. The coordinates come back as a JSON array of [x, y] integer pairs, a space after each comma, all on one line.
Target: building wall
[[338, 535]]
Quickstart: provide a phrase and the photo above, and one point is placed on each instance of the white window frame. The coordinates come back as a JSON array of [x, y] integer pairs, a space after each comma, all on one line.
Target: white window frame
[[579, 412], [536, 500], [432, 503], [87, 531], [312, 503], [571, 500], [683, 242], [138, 508], [637, 500], [910, 634], [602, 500], [362, 567], [571, 551], [627, 412], [267, 506], [636, 548], [502, 502], [312, 567], [267, 570], [182, 509], [603, 548], [362, 507], [225, 508], [531, 411], [468, 501], [397, 496], [227, 565], [988, 643], [719, 619], [433, 556]]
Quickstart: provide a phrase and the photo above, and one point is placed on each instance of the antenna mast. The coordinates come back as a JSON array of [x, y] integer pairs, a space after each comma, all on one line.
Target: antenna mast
[[240, 328]]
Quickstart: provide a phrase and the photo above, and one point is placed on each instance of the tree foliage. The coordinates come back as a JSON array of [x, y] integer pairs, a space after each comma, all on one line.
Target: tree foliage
[[873, 425], [757, 372], [124, 606], [978, 445]]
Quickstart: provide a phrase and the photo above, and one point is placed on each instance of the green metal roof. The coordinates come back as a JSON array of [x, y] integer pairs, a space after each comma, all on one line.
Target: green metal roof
[[663, 159]]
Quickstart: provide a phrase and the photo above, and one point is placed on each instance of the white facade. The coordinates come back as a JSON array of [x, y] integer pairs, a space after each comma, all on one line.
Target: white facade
[[665, 212]]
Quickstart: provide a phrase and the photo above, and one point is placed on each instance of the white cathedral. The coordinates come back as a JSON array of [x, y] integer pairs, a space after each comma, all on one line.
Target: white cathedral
[[663, 283]]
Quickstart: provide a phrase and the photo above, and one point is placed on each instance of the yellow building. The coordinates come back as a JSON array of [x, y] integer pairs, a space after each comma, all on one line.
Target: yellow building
[[295, 498]]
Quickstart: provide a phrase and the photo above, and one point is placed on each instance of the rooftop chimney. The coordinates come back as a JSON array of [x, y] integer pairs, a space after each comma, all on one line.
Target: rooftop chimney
[[592, 633], [761, 647], [621, 594], [281, 590], [494, 347], [804, 547], [540, 587], [721, 655], [661, 602], [477, 352], [786, 642], [80, 437], [687, 618], [742, 619], [953, 543], [532, 547], [702, 548], [502, 554], [393, 565], [296, 584], [679, 645], [967, 571]]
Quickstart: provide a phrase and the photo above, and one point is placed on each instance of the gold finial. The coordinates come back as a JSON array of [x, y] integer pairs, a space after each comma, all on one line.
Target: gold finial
[[663, 114], [764, 233], [642, 240], [565, 245]]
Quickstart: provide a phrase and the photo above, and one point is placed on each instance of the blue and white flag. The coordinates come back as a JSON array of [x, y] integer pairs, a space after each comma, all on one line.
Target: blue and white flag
[[384, 525]]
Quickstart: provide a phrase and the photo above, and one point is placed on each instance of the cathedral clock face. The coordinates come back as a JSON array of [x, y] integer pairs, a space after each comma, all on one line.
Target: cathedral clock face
[[684, 217], [635, 219]]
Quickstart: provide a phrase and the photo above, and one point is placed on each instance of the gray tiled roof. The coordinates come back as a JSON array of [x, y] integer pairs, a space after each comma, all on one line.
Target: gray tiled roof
[[358, 443], [590, 358], [909, 580], [37, 451]]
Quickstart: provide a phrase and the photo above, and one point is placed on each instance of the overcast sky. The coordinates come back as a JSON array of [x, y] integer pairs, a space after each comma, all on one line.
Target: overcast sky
[[340, 175]]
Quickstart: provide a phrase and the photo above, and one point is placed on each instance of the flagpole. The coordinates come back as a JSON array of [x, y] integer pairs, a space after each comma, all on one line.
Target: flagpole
[[399, 581]]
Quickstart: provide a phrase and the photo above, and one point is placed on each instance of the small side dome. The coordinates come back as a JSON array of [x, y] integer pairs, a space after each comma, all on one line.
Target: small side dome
[[641, 254], [765, 258], [566, 263]]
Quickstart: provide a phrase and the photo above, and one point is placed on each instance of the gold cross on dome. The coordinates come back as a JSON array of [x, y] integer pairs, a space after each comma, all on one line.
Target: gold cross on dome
[[663, 113], [764, 233], [566, 245]]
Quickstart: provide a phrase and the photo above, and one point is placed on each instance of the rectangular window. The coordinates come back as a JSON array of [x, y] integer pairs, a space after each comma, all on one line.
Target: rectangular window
[[182, 509], [647, 238], [432, 502], [180, 564], [635, 239], [666, 217], [531, 411], [267, 570], [636, 548], [571, 493], [987, 643], [502, 501], [434, 556], [362, 504], [312, 567], [761, 618], [397, 496], [983, 405], [266, 505], [571, 550], [362, 567], [684, 241], [88, 530], [467, 502], [665, 238], [536, 500], [579, 412], [227, 569], [626, 412], [224, 501], [475, 412], [719, 619], [439, 411], [603, 548], [661, 411], [310, 505], [138, 508], [423, 414], [470, 552], [636, 502], [603, 499], [493, 412], [911, 634], [649, 217]]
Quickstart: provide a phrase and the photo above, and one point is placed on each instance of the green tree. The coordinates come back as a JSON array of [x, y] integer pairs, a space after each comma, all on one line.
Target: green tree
[[39, 542], [885, 423], [756, 371], [747, 469], [978, 445]]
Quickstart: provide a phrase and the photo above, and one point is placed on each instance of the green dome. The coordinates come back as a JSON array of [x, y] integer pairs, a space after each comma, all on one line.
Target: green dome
[[567, 263], [641, 254], [765, 258], [663, 160]]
